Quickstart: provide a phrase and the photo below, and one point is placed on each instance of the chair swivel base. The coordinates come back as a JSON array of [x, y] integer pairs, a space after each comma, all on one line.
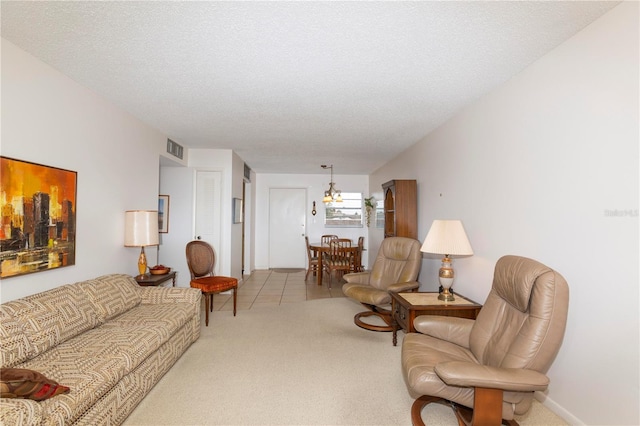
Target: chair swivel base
[[465, 416], [383, 314]]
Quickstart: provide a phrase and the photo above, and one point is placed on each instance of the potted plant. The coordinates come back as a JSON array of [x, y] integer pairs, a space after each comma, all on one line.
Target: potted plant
[[369, 206]]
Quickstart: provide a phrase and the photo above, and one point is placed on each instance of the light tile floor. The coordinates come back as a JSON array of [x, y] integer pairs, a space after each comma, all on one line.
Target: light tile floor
[[271, 288]]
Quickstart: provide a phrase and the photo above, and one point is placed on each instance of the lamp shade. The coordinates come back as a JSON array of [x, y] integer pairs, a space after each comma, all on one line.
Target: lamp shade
[[447, 237], [140, 228]]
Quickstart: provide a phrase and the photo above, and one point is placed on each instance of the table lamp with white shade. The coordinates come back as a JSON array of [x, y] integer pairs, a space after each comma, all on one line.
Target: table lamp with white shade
[[447, 237], [141, 230]]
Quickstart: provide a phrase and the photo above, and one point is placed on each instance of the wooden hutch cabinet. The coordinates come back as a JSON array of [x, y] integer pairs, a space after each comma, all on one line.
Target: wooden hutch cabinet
[[400, 208]]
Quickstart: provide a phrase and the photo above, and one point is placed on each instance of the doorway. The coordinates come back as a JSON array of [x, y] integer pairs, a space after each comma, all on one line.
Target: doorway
[[208, 211], [287, 227]]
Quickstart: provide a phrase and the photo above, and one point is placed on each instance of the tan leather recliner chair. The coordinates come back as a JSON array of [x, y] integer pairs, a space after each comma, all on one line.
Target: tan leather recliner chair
[[496, 362], [396, 268]]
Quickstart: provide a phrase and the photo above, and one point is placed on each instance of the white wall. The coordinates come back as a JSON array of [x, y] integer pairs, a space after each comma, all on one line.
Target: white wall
[[315, 186], [532, 169], [179, 183], [235, 242], [49, 119]]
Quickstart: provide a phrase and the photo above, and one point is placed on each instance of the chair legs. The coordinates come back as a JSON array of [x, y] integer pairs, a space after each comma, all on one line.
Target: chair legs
[[419, 404], [487, 409], [330, 272], [383, 314], [208, 304], [311, 268], [235, 299]]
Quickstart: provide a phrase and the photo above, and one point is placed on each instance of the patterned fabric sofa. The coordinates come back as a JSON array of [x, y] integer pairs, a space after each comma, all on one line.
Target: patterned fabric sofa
[[107, 339]]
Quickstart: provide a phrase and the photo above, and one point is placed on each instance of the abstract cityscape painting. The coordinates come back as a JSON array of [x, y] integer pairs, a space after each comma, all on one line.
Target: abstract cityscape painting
[[38, 217]]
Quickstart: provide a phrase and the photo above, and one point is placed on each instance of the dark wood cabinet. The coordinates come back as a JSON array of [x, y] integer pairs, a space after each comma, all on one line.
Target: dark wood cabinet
[[400, 208]]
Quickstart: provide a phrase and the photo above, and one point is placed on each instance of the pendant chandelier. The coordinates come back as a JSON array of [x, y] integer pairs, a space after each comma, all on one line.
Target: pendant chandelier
[[332, 194]]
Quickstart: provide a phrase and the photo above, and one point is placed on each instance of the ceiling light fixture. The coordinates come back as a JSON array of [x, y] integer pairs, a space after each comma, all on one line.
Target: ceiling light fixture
[[332, 194]]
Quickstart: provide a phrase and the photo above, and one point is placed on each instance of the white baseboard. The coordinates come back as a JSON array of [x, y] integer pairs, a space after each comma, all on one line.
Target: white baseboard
[[558, 409]]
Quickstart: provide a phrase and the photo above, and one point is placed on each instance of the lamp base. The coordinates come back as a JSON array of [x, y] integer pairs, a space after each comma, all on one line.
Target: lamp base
[[445, 275], [446, 296], [142, 262]]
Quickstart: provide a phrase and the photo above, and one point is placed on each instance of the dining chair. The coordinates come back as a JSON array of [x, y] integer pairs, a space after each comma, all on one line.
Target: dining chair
[[312, 260], [357, 257], [326, 239], [201, 260], [339, 257]]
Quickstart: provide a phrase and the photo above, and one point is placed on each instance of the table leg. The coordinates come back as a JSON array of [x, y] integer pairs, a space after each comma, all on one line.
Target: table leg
[[394, 326], [395, 336], [394, 323], [319, 267]]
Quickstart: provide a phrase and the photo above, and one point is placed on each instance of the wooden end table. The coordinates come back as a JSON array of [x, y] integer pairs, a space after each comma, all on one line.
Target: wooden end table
[[405, 307], [155, 280]]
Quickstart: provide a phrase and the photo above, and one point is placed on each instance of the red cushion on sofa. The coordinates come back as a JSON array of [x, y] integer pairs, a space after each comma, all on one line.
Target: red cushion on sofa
[[23, 383]]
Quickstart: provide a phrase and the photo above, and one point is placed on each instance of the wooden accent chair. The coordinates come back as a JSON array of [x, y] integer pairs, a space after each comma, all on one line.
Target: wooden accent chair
[[396, 268], [201, 260], [339, 258], [311, 258], [495, 362]]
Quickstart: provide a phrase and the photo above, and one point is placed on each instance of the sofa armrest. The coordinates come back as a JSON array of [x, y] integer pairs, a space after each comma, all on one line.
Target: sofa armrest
[[460, 373], [158, 295], [357, 277], [16, 411], [452, 329]]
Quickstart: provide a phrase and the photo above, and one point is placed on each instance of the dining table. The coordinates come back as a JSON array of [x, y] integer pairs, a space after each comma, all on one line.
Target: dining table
[[319, 249]]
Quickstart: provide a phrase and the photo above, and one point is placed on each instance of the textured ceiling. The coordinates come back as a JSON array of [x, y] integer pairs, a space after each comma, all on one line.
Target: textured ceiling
[[293, 85]]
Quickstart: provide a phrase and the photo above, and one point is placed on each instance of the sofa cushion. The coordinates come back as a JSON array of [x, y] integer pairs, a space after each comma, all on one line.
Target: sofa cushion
[[129, 391], [52, 317], [29, 384], [112, 295], [14, 411], [14, 346], [91, 365], [164, 318]]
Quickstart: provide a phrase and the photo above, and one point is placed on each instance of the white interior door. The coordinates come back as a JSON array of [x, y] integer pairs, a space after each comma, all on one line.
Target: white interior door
[[208, 210], [287, 221]]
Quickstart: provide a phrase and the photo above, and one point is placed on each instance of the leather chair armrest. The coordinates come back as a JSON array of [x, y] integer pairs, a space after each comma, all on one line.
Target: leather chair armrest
[[357, 277], [460, 373], [409, 285], [452, 329]]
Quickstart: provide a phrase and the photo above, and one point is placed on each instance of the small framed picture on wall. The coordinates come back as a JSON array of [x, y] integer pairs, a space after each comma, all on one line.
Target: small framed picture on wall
[[237, 210], [163, 214]]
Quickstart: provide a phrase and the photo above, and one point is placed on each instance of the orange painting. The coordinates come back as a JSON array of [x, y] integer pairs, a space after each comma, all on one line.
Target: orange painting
[[37, 217]]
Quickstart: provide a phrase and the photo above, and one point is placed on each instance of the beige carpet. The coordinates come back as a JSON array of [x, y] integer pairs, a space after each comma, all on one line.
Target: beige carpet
[[303, 363]]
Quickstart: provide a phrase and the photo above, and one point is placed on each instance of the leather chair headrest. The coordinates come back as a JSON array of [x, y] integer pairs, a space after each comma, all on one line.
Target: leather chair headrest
[[514, 277]]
